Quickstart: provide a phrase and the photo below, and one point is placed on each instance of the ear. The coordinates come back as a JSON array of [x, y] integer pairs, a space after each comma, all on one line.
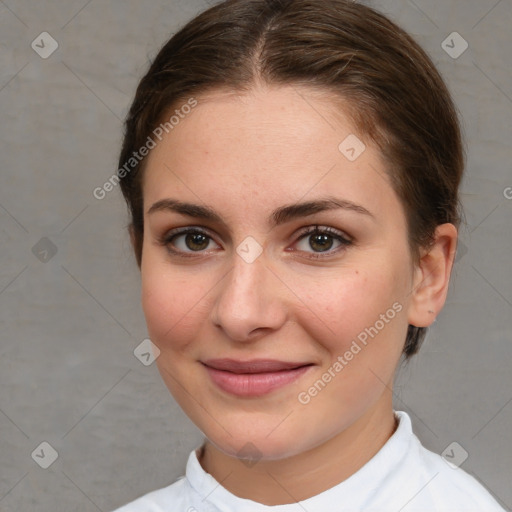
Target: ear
[[432, 277]]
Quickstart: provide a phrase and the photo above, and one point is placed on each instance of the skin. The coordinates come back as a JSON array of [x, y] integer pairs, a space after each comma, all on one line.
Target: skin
[[244, 156]]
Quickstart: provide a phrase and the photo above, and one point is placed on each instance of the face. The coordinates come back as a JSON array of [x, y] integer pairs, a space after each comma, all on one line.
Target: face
[[276, 273]]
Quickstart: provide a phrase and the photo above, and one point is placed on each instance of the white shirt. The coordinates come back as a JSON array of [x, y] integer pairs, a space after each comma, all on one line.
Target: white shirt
[[402, 477]]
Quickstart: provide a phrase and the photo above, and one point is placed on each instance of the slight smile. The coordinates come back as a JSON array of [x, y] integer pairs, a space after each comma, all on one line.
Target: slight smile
[[253, 378]]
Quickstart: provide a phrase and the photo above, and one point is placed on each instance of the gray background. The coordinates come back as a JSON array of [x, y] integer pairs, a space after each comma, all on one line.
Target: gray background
[[70, 321]]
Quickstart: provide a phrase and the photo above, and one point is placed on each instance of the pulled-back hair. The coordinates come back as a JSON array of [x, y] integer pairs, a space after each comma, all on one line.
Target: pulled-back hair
[[396, 97]]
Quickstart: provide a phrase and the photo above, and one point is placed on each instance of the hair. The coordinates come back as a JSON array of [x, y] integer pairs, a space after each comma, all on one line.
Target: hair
[[394, 93]]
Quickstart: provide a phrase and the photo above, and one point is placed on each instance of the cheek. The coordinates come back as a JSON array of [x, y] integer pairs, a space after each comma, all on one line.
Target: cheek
[[347, 304], [360, 323], [173, 306]]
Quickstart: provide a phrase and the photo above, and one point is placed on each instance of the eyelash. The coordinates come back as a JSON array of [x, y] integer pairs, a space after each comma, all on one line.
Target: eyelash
[[344, 241]]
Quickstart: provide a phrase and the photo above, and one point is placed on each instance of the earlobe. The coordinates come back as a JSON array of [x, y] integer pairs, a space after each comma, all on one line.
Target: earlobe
[[432, 277]]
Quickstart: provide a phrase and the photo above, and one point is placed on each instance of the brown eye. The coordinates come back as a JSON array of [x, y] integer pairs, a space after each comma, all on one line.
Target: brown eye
[[317, 240], [187, 241], [320, 243], [196, 241]]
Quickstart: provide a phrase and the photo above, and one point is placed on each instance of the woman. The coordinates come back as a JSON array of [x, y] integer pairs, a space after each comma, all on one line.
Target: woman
[[292, 172]]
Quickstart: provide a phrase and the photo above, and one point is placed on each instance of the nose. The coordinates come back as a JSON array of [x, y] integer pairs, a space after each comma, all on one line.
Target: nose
[[250, 302]]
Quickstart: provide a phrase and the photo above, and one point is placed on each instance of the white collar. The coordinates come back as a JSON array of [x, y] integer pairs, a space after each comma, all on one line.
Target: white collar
[[383, 471]]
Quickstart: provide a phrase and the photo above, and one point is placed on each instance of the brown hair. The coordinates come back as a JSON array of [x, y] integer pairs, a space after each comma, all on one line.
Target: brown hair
[[398, 98]]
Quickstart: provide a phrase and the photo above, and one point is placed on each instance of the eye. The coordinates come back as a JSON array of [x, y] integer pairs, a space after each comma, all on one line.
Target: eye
[[317, 241], [185, 242], [321, 241]]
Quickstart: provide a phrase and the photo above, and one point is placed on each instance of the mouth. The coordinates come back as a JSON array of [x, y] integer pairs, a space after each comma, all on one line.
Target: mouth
[[253, 378]]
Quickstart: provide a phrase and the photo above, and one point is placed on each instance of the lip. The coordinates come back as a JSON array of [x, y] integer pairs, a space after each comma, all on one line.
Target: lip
[[253, 378]]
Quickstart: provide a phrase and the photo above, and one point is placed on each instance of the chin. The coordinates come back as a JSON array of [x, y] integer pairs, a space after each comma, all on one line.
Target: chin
[[256, 449], [265, 443]]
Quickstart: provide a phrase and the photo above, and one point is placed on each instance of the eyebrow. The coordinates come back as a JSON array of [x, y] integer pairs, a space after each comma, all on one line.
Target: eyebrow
[[278, 216]]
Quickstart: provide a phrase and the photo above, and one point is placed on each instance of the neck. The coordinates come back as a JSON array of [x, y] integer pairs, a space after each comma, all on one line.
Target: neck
[[278, 482]]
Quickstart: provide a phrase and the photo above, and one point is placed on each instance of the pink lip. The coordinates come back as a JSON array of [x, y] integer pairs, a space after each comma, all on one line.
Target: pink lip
[[253, 378]]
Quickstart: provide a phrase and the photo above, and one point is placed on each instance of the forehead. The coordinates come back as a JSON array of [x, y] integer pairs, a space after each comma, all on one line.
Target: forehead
[[271, 144]]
